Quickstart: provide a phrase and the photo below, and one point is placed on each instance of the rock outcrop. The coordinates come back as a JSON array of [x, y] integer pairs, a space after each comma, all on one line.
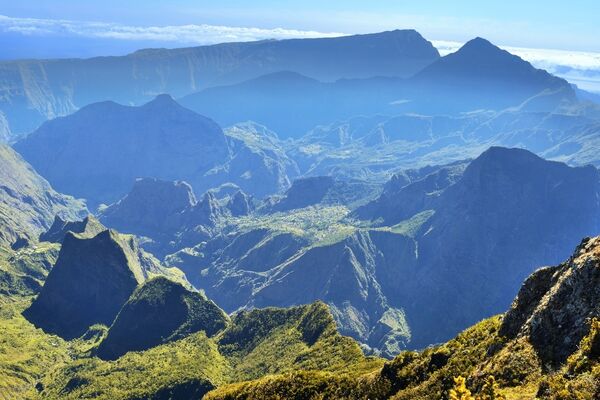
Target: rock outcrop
[[556, 304], [88, 227], [92, 279]]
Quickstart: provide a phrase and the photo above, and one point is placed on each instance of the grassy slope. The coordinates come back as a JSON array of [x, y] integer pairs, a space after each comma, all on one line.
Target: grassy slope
[[475, 354], [259, 342]]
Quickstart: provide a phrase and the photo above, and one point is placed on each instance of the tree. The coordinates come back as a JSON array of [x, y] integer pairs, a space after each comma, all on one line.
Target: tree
[[460, 391], [490, 390]]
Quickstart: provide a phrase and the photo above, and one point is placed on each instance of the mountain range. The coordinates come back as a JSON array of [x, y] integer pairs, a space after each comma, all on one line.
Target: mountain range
[[98, 152], [311, 218], [291, 103], [37, 90]]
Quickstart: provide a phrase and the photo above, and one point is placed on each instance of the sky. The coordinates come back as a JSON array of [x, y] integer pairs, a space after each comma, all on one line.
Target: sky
[[561, 36], [555, 24]]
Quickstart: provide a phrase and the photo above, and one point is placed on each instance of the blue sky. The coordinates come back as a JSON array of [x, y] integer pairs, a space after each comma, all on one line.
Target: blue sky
[[571, 25]]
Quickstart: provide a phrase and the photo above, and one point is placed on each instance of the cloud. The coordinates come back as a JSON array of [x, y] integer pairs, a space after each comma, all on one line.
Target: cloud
[[579, 67], [198, 34]]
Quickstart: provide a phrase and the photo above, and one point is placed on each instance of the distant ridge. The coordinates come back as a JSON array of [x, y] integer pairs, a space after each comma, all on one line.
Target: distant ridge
[[59, 87]]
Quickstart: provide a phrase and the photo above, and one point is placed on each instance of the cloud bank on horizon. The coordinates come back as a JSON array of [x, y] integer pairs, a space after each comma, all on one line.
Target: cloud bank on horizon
[[578, 67], [200, 34]]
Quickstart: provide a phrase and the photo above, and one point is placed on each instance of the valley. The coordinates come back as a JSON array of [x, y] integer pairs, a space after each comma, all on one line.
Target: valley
[[348, 218]]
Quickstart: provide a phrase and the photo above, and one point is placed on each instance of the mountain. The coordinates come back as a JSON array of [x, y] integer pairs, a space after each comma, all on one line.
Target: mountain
[[37, 90], [322, 190], [453, 241], [28, 203], [256, 343], [88, 227], [98, 152], [92, 278], [292, 104], [168, 215], [547, 345], [158, 312], [510, 211], [152, 208], [284, 101], [479, 68]]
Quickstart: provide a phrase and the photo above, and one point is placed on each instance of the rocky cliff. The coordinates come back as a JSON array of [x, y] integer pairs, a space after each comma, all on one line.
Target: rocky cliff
[[28, 204]]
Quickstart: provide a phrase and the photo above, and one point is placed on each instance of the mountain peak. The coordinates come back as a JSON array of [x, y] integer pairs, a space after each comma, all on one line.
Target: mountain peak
[[162, 100], [479, 43], [91, 280], [157, 312]]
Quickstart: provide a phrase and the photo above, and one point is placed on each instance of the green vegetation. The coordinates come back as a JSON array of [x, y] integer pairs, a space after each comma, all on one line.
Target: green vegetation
[[478, 364], [320, 225], [22, 272], [275, 353], [411, 226], [192, 365], [26, 353], [36, 365], [160, 311]]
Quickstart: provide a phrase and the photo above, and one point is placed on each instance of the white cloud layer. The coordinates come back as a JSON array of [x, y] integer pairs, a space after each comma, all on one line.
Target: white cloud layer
[[199, 34], [581, 68]]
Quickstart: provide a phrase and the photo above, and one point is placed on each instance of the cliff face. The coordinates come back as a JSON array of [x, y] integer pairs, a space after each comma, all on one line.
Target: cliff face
[[38, 90], [547, 346], [99, 151], [88, 227], [28, 203], [92, 279], [556, 304]]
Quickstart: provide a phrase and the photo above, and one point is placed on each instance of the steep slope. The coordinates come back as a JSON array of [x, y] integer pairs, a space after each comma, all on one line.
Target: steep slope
[[88, 227], [38, 90], [92, 278], [322, 190], [546, 346], [28, 203], [348, 276], [480, 68], [98, 152], [158, 312], [402, 199], [168, 216], [510, 211], [259, 163], [556, 304]]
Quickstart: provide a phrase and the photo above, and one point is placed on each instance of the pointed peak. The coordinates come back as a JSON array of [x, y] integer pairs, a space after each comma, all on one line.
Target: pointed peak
[[480, 46], [162, 100]]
